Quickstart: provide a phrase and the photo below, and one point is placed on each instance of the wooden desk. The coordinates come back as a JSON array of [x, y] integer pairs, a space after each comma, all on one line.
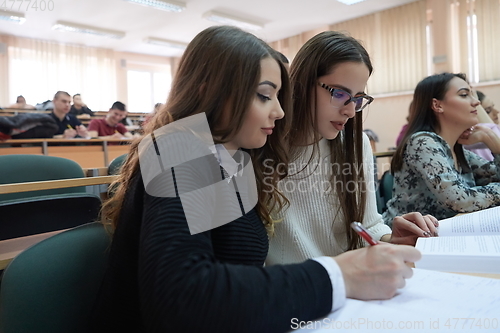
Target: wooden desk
[[54, 184], [13, 112], [384, 154], [89, 153], [10, 248], [486, 275]]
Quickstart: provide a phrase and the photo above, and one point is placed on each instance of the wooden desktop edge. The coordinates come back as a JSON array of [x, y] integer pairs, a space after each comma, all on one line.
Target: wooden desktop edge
[[65, 140], [54, 184], [384, 154]]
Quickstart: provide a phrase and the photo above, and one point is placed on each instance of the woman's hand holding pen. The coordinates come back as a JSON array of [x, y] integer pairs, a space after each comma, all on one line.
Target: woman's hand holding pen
[[407, 228], [376, 272]]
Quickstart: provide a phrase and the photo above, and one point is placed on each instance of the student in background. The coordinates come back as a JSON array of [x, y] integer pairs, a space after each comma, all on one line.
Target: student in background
[[69, 126], [373, 137], [432, 172], [111, 126], [487, 116], [21, 104], [284, 60], [150, 115], [330, 180], [160, 277], [79, 108], [489, 107]]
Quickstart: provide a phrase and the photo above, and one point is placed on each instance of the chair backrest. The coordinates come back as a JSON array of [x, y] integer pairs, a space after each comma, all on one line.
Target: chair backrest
[[52, 286], [32, 168], [386, 183], [23, 217], [116, 164]]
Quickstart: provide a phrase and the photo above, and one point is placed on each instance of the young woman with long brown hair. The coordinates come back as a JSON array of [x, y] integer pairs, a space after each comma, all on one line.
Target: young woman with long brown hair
[[330, 182], [432, 172], [162, 277]]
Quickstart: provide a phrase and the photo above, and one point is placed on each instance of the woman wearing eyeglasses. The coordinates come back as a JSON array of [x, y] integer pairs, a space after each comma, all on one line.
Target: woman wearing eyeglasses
[[330, 177]]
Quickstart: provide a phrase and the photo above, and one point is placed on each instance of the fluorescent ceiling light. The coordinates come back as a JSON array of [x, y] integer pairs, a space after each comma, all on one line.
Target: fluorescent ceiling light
[[12, 17], [350, 2], [166, 43], [169, 6], [85, 29], [232, 20]]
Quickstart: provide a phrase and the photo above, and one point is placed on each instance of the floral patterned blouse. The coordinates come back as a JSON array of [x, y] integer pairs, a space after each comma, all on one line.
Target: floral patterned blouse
[[429, 183]]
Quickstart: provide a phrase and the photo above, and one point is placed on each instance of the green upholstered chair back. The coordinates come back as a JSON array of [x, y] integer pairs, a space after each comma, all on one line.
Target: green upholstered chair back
[[36, 215], [116, 164], [52, 286], [32, 168], [386, 183]]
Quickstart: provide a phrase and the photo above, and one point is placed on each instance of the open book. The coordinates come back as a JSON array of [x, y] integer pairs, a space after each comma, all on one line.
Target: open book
[[466, 243]]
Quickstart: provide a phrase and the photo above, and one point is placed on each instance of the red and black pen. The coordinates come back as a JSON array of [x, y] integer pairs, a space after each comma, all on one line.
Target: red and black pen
[[358, 227]]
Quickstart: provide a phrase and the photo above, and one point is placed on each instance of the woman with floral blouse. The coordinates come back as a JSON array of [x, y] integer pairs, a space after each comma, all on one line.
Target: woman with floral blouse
[[433, 174]]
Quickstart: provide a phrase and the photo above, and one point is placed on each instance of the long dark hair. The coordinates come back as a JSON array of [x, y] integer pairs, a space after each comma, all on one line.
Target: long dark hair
[[422, 116], [320, 56], [220, 70]]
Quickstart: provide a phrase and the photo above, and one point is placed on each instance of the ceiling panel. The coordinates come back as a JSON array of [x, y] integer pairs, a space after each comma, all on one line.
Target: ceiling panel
[[282, 19]]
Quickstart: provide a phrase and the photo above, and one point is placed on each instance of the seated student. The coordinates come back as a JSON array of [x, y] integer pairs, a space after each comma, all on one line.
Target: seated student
[[488, 117], [111, 126], [160, 276], [79, 108], [69, 126], [21, 104], [148, 117], [373, 137], [330, 179], [284, 60], [432, 172], [489, 107]]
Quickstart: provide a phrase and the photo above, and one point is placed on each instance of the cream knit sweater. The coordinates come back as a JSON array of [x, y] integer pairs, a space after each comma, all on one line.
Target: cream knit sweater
[[313, 225]]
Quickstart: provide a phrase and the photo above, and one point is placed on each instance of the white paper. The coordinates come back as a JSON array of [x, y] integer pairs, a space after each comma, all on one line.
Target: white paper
[[483, 222], [430, 302]]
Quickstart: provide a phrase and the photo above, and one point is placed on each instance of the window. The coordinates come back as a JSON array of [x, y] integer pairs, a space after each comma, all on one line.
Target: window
[[38, 69], [473, 48], [145, 89]]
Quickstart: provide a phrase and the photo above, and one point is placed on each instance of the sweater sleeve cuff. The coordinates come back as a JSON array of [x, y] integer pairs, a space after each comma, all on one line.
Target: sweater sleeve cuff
[[337, 280]]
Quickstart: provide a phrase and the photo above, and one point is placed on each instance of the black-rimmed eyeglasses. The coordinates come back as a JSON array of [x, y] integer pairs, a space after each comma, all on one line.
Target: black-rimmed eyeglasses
[[341, 98]]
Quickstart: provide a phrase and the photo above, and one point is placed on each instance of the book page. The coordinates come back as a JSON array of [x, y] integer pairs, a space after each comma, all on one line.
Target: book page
[[475, 254], [470, 245], [430, 302], [484, 222]]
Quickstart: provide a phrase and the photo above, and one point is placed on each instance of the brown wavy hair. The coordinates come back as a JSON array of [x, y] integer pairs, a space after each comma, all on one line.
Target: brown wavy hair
[[220, 70], [320, 56]]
